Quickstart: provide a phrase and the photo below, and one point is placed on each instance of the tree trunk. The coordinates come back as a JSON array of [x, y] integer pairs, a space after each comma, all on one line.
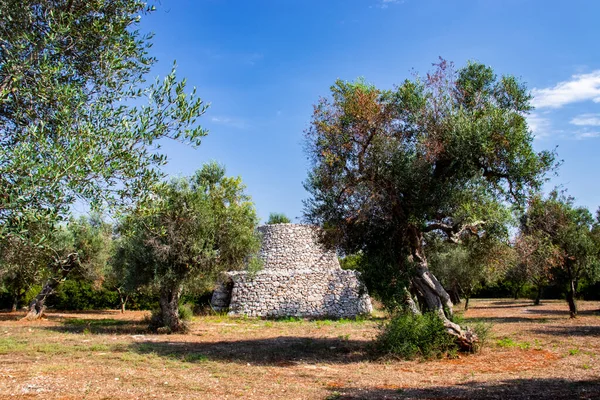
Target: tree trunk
[[15, 303], [436, 298], [169, 308], [64, 266], [538, 297], [571, 300], [454, 295], [410, 304], [467, 303], [38, 304], [123, 297]]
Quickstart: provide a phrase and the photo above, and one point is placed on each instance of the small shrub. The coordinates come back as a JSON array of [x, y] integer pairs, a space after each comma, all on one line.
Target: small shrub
[[408, 336], [186, 312], [278, 218]]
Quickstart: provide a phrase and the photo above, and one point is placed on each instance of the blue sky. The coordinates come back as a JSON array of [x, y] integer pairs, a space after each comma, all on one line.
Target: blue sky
[[263, 64]]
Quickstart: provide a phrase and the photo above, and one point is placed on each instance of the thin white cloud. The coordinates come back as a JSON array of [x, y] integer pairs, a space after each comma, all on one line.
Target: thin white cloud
[[231, 122], [586, 135], [581, 87], [386, 3], [586, 120], [540, 126]]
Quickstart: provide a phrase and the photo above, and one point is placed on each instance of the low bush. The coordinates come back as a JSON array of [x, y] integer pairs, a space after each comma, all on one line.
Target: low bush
[[409, 336]]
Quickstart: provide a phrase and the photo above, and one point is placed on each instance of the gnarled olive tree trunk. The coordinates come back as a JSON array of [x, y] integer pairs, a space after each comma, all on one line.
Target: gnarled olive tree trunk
[[435, 296], [64, 267], [169, 308]]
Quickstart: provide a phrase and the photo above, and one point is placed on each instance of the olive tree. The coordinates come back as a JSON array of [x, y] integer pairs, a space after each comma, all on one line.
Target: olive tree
[[192, 228], [434, 154], [569, 240], [77, 119], [79, 249]]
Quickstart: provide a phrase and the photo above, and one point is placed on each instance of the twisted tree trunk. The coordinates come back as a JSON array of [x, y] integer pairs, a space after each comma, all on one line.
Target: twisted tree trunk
[[38, 304], [169, 308], [436, 298], [64, 266]]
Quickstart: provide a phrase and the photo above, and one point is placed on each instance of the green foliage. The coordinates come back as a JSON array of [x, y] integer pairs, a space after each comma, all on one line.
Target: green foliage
[[567, 240], [196, 226], [408, 336], [278, 218], [78, 294], [186, 312], [443, 154], [464, 268], [190, 231], [384, 280], [72, 75]]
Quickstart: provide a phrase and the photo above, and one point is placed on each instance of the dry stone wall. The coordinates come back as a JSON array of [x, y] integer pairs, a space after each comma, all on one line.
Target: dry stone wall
[[298, 278]]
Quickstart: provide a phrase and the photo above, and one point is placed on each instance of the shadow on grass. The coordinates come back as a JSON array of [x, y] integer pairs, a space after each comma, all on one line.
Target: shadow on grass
[[280, 351], [509, 320], [106, 326], [514, 389], [502, 304], [565, 312], [585, 330]]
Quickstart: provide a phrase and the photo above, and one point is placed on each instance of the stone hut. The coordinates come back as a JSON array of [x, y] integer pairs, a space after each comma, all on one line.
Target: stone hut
[[298, 278]]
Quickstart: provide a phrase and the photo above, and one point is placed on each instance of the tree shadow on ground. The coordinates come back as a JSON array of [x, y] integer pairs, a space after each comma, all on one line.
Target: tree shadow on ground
[[502, 304], [569, 331], [106, 326], [279, 351], [565, 312], [515, 389], [509, 320]]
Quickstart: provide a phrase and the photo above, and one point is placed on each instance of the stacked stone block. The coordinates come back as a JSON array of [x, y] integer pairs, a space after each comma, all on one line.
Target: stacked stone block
[[299, 278]]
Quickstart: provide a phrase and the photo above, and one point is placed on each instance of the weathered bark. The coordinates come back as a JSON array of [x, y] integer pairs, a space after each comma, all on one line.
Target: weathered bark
[[436, 298], [571, 300], [410, 303], [38, 304], [169, 308]]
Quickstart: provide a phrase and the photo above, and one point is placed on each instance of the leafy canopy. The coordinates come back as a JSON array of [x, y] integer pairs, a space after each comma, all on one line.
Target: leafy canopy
[[72, 81], [193, 228], [443, 153]]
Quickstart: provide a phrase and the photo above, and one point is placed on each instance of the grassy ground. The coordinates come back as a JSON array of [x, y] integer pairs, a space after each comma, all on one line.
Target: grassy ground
[[534, 352]]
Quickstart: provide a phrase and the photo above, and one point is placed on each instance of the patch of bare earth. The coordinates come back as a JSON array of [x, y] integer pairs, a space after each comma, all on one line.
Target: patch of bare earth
[[533, 352]]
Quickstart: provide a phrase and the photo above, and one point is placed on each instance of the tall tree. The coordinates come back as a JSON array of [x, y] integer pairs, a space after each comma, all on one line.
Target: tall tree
[[439, 154], [193, 228], [72, 78], [571, 231]]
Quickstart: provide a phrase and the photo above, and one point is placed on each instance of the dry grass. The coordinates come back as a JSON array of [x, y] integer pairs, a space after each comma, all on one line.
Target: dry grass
[[534, 352]]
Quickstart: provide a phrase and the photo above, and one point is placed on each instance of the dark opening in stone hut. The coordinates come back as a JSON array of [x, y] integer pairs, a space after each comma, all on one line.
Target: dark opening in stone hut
[[298, 278]]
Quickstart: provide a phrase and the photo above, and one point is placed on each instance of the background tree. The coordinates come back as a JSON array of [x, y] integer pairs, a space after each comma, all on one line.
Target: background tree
[[79, 249], [71, 76], [193, 228], [278, 218], [536, 258], [465, 268], [438, 154], [571, 231], [22, 265]]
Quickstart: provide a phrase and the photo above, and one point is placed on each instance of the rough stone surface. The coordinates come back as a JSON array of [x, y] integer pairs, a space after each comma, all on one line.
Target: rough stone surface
[[298, 278]]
